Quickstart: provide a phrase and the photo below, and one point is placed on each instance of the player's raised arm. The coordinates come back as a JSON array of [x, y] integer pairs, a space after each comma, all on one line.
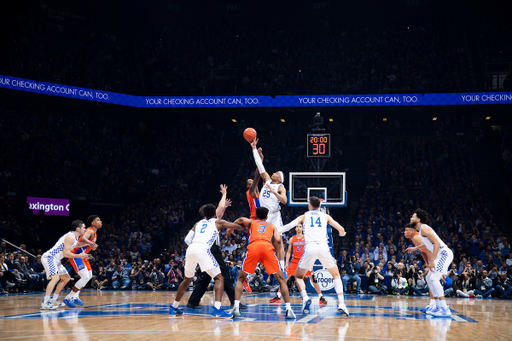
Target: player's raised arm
[[292, 224], [259, 162], [221, 208], [86, 240], [68, 245], [336, 225], [253, 190]]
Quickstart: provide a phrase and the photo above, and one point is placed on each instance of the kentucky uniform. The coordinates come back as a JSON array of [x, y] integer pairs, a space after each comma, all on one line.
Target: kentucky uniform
[[52, 258], [199, 251], [297, 245], [80, 263], [317, 245], [270, 201], [260, 248], [444, 256]]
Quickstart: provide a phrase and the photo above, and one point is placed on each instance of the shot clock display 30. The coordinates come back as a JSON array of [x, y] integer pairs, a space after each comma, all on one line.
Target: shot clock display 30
[[319, 145]]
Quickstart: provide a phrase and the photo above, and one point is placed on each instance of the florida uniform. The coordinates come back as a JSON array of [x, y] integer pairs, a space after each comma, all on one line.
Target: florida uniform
[[80, 263], [254, 203], [298, 245], [260, 248]]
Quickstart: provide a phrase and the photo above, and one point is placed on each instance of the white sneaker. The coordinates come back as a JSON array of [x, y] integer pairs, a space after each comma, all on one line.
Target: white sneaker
[[236, 312], [290, 315], [57, 303], [442, 312], [430, 309], [48, 306], [342, 308]]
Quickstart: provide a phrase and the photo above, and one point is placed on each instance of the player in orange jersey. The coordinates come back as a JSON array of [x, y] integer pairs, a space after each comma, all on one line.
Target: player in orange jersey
[[297, 245], [414, 236], [260, 249], [82, 266], [253, 193]]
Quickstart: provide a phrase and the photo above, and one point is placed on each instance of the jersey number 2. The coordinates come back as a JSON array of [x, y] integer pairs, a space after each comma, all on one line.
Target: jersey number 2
[[203, 228]]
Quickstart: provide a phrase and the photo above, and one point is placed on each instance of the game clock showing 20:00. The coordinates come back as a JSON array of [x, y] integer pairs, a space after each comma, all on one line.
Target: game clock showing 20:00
[[319, 145]]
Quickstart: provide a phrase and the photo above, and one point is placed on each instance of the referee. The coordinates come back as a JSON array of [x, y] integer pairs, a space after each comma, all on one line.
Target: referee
[[204, 281]]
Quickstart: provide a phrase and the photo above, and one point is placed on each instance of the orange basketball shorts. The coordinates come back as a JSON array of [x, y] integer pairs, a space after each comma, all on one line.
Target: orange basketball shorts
[[261, 252]]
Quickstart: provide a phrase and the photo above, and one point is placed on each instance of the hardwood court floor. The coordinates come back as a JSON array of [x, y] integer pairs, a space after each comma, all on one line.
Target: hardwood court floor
[[143, 315]]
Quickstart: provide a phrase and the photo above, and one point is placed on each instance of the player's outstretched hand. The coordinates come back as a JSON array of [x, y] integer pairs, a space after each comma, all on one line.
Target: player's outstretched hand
[[88, 256], [343, 234], [94, 246], [410, 249], [230, 232], [254, 143], [227, 203], [223, 189], [271, 189]]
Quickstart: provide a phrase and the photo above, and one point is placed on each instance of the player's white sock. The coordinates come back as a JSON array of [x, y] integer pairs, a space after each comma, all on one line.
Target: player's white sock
[[443, 303], [175, 304], [438, 303], [432, 303], [55, 297], [46, 299], [278, 294], [281, 264], [304, 295], [288, 306], [217, 305], [237, 304]]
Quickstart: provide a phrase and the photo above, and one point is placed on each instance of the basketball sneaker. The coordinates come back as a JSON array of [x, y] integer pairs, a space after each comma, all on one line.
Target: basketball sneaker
[[236, 312], [175, 311], [430, 309], [342, 308], [306, 307], [69, 302], [77, 301], [48, 306], [247, 287], [323, 301], [58, 303], [275, 300], [290, 315], [441, 312], [221, 313]]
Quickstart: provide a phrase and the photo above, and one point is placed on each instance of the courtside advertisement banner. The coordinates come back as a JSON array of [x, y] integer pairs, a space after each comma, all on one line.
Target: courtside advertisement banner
[[265, 101], [49, 206]]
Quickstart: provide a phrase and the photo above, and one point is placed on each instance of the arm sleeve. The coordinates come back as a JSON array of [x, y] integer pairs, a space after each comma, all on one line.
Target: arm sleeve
[[258, 161], [189, 237], [288, 226]]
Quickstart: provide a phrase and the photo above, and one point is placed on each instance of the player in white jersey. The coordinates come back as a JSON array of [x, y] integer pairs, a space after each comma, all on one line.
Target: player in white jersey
[[314, 225], [272, 195], [200, 239], [440, 259], [53, 267]]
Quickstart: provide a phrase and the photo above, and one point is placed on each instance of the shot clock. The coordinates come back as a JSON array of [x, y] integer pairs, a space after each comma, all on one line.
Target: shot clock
[[319, 145]]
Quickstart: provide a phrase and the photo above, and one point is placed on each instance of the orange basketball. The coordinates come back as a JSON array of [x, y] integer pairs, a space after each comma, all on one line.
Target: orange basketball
[[250, 134]]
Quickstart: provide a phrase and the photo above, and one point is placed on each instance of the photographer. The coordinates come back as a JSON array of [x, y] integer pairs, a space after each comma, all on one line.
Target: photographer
[[101, 281], [352, 268], [465, 283], [419, 284], [446, 282], [174, 277], [156, 278], [399, 284], [483, 285], [504, 286], [257, 283], [376, 280]]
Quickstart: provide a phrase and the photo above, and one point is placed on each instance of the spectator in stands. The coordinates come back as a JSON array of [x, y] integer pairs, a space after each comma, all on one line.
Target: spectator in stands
[[483, 285], [504, 285], [101, 281], [418, 284], [446, 282]]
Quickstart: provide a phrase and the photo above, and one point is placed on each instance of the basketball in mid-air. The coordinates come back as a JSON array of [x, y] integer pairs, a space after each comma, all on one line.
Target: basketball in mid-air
[[250, 134]]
